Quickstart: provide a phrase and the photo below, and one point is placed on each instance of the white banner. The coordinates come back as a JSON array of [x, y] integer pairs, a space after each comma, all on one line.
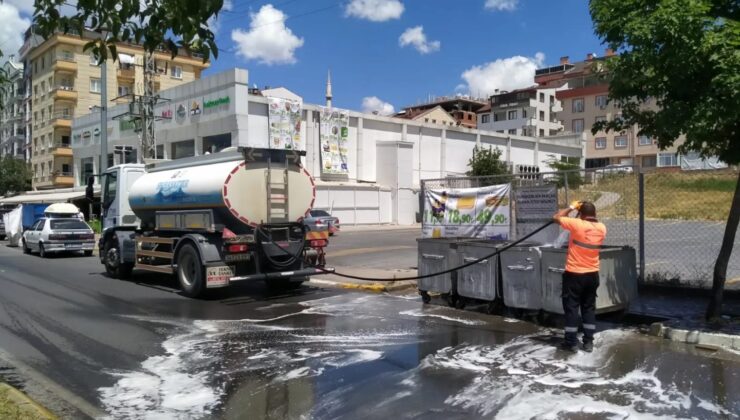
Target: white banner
[[334, 134], [467, 212], [284, 117]]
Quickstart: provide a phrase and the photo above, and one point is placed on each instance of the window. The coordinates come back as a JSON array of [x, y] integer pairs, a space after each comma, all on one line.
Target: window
[[512, 131], [542, 97], [177, 72], [620, 142], [578, 105], [124, 90], [93, 61], [37, 225], [183, 149], [645, 141], [86, 171], [552, 99], [542, 115], [601, 101], [160, 151], [649, 161], [542, 132], [600, 118], [499, 116], [600, 142], [71, 224], [578, 126], [667, 159], [109, 192], [434, 121], [95, 85], [511, 115], [524, 113], [485, 118], [320, 213]]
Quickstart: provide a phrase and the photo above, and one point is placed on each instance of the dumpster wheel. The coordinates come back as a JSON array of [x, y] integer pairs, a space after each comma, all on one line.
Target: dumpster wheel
[[425, 298]]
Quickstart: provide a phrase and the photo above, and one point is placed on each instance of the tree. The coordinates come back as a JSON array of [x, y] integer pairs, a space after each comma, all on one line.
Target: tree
[[171, 24], [487, 162], [15, 176], [568, 171], [684, 55]]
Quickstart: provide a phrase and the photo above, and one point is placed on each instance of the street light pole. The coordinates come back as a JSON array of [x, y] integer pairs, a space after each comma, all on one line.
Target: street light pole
[[103, 116]]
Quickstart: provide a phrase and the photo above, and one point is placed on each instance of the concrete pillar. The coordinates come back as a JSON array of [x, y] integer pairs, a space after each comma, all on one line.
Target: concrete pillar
[[536, 151], [443, 155], [508, 148], [360, 150]]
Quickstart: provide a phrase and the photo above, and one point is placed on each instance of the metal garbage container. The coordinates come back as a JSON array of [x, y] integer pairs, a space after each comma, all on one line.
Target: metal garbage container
[[617, 278], [436, 255], [521, 280], [480, 280]]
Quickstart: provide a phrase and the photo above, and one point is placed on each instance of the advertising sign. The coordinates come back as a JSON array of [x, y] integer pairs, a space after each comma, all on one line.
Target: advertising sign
[[467, 212], [284, 117], [334, 135], [535, 206]]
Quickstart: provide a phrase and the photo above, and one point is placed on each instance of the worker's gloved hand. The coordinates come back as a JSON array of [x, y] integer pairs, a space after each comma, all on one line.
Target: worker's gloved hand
[[576, 205]]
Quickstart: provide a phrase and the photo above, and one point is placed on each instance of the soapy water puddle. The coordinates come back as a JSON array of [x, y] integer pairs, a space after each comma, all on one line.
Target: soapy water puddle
[[353, 358]]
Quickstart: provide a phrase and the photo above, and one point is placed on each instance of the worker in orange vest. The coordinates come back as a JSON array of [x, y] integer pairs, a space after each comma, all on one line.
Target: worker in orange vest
[[581, 276]]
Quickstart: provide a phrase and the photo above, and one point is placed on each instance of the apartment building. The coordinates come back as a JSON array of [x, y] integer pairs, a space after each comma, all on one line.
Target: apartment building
[[461, 108], [530, 112], [585, 102], [12, 128], [65, 82]]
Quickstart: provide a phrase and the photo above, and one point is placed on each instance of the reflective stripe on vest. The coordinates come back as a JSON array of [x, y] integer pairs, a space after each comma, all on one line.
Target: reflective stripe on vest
[[585, 245]]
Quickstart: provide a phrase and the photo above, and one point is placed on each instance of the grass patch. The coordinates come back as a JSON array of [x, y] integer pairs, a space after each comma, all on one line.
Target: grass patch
[[11, 409]]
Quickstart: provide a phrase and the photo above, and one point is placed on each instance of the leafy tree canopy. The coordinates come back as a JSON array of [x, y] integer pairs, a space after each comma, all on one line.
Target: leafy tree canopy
[[485, 162], [15, 176], [676, 71]]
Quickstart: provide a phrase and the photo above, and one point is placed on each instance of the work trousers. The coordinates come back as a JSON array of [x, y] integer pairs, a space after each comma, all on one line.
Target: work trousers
[[579, 293]]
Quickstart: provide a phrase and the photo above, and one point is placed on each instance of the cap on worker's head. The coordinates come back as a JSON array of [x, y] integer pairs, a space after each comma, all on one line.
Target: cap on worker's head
[[587, 209]]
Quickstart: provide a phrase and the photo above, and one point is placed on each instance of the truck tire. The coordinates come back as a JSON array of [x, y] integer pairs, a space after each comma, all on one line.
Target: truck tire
[[190, 271], [112, 261]]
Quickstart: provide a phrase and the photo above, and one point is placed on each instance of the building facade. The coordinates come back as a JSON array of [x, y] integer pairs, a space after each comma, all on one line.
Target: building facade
[[65, 82], [526, 112], [386, 157], [462, 108], [12, 112], [584, 93]]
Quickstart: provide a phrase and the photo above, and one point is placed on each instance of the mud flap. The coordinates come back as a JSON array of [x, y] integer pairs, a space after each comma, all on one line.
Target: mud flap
[[218, 276]]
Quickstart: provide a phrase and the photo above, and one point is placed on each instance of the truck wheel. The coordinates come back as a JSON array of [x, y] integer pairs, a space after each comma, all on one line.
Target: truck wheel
[[190, 271], [113, 265], [42, 251]]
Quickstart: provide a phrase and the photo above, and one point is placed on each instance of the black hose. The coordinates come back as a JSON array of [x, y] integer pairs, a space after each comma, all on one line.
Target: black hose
[[468, 264]]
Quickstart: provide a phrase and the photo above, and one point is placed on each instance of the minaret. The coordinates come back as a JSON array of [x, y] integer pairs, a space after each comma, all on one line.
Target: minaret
[[328, 89]]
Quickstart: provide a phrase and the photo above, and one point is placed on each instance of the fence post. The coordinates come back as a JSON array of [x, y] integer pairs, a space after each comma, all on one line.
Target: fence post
[[641, 206]]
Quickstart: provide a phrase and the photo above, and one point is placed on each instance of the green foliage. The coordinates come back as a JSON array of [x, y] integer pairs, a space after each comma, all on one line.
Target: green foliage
[[487, 162], [567, 170], [15, 176], [95, 225], [171, 24], [676, 72]]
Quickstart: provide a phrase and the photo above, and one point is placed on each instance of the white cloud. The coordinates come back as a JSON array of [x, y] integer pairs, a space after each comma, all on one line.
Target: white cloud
[[418, 39], [23, 6], [375, 10], [502, 5], [12, 29], [504, 73], [268, 39], [374, 105]]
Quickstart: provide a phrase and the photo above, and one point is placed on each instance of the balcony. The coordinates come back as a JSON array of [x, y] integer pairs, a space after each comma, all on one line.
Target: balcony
[[62, 119], [65, 62], [556, 107], [62, 179], [126, 72], [64, 92], [62, 149]]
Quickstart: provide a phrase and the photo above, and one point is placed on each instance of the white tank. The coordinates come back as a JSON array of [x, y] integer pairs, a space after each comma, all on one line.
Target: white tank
[[235, 190]]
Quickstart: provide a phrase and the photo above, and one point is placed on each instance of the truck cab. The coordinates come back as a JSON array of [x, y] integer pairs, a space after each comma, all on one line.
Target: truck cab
[[116, 182]]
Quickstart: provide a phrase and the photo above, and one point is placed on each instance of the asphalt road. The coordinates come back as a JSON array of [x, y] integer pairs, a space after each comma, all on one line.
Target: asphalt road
[[682, 250], [85, 344]]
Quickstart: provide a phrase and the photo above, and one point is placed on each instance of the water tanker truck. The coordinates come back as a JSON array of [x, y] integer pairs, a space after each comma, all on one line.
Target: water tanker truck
[[211, 220]]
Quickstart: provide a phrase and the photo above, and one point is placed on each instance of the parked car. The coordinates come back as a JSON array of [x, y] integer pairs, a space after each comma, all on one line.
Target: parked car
[[321, 219], [615, 169], [52, 235]]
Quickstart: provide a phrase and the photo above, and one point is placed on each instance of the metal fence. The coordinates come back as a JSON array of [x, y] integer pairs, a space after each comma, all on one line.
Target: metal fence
[[674, 220]]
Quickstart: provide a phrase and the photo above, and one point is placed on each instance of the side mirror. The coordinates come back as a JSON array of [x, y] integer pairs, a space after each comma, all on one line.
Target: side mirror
[[89, 191]]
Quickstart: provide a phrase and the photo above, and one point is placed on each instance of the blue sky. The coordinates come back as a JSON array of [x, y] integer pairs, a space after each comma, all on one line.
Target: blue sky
[[366, 59], [463, 46]]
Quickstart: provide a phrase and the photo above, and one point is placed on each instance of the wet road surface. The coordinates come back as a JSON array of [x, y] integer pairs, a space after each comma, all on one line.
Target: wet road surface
[[140, 350]]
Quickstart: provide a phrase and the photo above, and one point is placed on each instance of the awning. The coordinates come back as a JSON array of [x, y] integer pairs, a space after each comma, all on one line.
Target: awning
[[55, 197], [125, 58]]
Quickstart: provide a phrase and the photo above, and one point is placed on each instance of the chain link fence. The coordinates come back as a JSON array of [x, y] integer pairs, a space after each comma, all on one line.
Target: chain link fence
[[684, 220]]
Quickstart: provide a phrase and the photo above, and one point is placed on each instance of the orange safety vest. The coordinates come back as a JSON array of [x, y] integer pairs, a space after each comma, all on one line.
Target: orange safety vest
[[586, 238]]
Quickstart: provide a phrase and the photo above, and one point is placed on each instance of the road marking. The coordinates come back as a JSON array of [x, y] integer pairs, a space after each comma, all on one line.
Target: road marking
[[356, 251]]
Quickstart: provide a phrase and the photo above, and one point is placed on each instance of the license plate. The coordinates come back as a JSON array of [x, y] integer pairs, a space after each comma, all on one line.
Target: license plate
[[218, 276], [73, 246]]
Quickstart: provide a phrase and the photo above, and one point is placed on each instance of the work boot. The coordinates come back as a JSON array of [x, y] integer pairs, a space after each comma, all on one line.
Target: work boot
[[573, 348], [588, 346]]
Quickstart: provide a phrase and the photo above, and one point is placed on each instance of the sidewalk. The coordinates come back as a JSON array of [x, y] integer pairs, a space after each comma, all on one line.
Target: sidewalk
[[333, 280], [365, 228]]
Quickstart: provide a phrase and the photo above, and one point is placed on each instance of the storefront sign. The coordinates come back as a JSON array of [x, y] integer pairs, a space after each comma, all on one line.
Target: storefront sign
[[216, 102], [334, 135], [284, 117], [126, 125], [181, 112], [166, 114], [195, 108], [534, 207], [96, 132], [86, 134], [467, 212]]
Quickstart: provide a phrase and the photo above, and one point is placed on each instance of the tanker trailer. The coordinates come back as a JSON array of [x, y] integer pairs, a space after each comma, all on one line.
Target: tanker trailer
[[211, 220]]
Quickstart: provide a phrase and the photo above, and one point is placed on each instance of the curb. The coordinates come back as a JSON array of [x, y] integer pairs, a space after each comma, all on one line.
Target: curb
[[701, 339], [370, 287], [25, 404]]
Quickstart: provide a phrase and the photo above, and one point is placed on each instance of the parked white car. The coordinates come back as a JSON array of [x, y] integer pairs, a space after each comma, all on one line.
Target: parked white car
[[53, 235]]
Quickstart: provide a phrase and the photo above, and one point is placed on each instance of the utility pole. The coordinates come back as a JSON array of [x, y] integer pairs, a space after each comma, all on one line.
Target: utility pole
[[148, 101], [103, 116]]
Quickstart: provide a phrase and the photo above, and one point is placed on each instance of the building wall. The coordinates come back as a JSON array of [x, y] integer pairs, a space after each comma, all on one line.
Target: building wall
[[545, 102], [436, 116], [12, 112]]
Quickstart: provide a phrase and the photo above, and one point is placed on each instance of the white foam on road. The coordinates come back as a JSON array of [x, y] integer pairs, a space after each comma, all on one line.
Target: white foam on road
[[423, 313]]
